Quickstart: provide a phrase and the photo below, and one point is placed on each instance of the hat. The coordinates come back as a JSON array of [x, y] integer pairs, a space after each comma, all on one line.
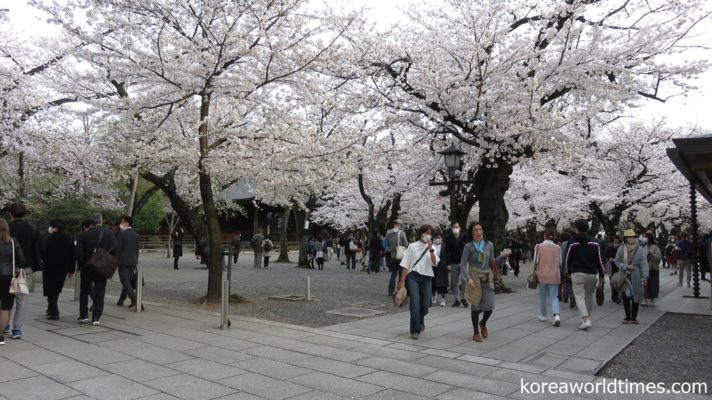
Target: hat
[[629, 233]]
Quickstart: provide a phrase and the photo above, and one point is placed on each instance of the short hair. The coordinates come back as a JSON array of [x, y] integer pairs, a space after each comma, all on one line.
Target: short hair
[[423, 229], [127, 219], [97, 218], [58, 224], [397, 222], [88, 222], [684, 235], [549, 233], [18, 210], [454, 223], [581, 225]]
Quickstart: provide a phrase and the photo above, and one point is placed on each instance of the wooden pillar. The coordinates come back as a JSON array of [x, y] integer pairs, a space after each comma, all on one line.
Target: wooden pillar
[[695, 241]]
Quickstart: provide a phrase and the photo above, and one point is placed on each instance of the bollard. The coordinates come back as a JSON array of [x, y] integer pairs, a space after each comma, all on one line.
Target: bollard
[[229, 270], [224, 306], [77, 286], [139, 290], [308, 289]]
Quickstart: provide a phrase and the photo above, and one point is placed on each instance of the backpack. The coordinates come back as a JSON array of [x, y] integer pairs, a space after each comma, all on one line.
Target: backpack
[[253, 242], [267, 246]]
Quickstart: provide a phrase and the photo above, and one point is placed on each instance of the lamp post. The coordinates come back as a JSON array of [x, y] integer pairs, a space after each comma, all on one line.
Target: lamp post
[[453, 161]]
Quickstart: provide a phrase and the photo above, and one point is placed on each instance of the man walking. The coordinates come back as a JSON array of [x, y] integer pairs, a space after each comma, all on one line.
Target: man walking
[[454, 245], [583, 263], [128, 245], [30, 240], [395, 238], [236, 243], [684, 258], [95, 237], [256, 244]]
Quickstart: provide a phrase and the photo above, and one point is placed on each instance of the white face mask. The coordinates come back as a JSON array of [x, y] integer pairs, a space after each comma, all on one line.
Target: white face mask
[[123, 227], [50, 230], [426, 237], [456, 231], [396, 228], [438, 241], [631, 241]]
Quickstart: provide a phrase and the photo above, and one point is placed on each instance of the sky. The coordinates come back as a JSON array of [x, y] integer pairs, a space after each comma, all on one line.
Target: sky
[[690, 110]]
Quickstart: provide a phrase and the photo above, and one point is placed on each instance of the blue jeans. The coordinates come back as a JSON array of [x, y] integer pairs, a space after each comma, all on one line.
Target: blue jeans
[[351, 260], [420, 292], [394, 268], [548, 291]]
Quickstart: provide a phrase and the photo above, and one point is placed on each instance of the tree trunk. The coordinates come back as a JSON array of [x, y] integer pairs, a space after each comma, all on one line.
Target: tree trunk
[[214, 255], [299, 216], [283, 239], [491, 184]]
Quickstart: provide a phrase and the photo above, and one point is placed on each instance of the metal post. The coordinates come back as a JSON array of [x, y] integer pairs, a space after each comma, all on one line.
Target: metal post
[[139, 290], [225, 303], [695, 241], [77, 286], [230, 253], [308, 289]]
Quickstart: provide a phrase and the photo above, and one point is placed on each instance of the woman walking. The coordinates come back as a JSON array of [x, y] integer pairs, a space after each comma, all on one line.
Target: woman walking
[[632, 260], [653, 255], [417, 275], [59, 261], [440, 279], [11, 259], [178, 246], [478, 269], [670, 256], [547, 259], [267, 247]]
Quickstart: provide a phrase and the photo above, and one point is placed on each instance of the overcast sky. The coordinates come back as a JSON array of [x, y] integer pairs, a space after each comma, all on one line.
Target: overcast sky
[[693, 109]]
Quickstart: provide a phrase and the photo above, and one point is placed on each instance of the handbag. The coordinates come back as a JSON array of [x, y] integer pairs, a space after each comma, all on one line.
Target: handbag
[[532, 281], [400, 250], [599, 294], [102, 262], [401, 295], [18, 283]]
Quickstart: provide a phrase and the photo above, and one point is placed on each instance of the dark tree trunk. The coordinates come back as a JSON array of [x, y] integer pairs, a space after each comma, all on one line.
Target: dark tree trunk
[[491, 184], [283, 239], [299, 217], [609, 220]]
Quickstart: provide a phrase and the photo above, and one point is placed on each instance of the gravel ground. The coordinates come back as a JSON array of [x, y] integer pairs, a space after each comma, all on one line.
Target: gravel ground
[[676, 348], [333, 288]]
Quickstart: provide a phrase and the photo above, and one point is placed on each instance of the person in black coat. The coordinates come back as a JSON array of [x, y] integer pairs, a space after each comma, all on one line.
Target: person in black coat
[[127, 252], [452, 252], [59, 260], [440, 280], [95, 236]]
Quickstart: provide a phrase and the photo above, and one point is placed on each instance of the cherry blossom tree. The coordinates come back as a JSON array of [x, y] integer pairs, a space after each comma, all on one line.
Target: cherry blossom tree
[[509, 79], [200, 91]]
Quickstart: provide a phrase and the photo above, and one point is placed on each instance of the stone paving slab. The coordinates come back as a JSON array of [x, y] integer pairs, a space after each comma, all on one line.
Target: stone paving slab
[[112, 387], [189, 387], [35, 388], [263, 386]]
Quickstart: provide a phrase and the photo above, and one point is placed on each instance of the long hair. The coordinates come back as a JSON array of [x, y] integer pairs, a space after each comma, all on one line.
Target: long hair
[[4, 231]]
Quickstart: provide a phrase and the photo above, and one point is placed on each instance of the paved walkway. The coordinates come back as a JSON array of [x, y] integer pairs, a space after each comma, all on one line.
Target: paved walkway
[[169, 353]]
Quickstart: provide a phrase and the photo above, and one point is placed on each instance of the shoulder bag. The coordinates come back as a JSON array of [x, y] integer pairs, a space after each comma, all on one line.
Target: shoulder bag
[[533, 280], [102, 262], [400, 250], [401, 295], [18, 284]]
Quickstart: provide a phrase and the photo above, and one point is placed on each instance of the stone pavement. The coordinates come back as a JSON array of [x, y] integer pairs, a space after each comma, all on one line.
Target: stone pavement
[[177, 353]]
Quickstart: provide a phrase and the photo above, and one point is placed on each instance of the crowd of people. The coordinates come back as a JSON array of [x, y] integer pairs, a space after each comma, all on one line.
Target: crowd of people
[[59, 256]]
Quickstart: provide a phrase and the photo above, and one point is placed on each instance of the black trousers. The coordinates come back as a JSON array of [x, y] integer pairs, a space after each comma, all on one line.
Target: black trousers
[[630, 307], [87, 279]]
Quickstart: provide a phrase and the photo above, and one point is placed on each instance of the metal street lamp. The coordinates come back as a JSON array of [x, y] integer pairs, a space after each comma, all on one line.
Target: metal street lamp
[[453, 159]]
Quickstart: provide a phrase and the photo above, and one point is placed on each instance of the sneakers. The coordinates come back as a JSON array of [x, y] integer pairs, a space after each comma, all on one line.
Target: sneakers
[[16, 334], [415, 335], [2, 340], [83, 320], [541, 318], [557, 320], [442, 302], [7, 330], [95, 323], [585, 325], [456, 303], [464, 303]]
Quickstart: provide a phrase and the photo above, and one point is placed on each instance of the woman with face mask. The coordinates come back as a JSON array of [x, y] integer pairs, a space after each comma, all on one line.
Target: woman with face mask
[[632, 260], [479, 270], [653, 255], [440, 281], [417, 275]]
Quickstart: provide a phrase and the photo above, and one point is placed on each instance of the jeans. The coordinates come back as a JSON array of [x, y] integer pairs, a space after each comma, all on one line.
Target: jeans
[[420, 292], [394, 268], [258, 259], [584, 285], [455, 285], [351, 259], [126, 276], [548, 291], [87, 279], [22, 301]]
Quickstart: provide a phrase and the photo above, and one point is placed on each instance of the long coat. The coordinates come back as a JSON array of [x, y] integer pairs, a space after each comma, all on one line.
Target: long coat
[[59, 258], [638, 269], [441, 280]]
